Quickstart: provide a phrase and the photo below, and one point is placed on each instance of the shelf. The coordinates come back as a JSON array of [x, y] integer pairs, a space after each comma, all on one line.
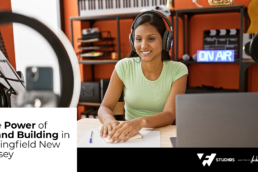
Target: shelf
[[94, 40], [211, 9], [98, 61], [195, 62], [88, 104], [248, 61], [95, 47]]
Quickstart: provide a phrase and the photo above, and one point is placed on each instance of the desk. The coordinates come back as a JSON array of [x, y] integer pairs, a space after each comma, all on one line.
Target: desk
[[165, 132]]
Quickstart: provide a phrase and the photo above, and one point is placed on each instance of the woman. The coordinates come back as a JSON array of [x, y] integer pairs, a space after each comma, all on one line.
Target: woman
[[150, 82]]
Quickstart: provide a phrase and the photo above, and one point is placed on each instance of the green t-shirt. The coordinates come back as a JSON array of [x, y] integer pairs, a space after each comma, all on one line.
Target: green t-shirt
[[144, 97]]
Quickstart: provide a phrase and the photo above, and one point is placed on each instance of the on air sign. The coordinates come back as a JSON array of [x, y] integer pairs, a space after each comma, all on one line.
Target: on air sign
[[215, 56]]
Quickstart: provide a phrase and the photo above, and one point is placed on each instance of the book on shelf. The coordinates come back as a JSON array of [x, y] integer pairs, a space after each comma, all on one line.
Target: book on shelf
[[94, 40], [89, 47], [88, 40], [92, 35], [86, 47], [91, 54]]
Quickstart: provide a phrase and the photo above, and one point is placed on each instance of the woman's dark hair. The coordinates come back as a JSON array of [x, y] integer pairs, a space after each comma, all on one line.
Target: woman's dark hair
[[159, 24]]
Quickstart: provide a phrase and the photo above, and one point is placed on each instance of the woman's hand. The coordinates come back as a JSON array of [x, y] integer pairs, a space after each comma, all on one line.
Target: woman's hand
[[108, 127], [126, 130]]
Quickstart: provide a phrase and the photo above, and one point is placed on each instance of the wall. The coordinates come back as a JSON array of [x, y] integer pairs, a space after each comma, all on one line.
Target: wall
[[7, 33], [217, 75]]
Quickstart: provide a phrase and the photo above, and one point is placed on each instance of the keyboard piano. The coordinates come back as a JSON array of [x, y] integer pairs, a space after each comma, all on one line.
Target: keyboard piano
[[105, 7]]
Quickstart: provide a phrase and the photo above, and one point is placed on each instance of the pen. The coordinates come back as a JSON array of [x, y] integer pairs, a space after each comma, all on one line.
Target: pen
[[91, 137]]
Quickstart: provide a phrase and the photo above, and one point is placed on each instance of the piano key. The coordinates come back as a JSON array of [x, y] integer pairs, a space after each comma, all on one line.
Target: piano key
[[80, 6], [97, 5], [104, 7]]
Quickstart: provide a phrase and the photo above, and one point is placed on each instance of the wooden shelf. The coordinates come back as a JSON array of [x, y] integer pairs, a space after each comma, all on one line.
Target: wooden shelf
[[88, 104], [97, 61], [248, 61]]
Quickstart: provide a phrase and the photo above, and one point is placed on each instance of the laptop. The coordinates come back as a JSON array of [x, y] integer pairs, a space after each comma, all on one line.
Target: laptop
[[217, 120]]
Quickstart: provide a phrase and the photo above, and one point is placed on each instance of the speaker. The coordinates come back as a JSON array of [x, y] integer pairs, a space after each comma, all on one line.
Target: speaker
[[89, 92]]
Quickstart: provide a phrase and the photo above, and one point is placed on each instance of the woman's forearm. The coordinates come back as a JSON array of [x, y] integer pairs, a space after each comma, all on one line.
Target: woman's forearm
[[105, 115], [158, 120]]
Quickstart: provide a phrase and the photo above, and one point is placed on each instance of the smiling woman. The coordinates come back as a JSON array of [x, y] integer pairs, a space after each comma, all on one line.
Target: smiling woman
[[149, 78]]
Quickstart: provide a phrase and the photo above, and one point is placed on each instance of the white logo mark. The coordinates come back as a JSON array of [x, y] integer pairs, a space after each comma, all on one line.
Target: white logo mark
[[209, 160]]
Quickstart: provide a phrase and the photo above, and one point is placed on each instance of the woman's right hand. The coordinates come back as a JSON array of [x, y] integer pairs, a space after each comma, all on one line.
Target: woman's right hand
[[108, 127]]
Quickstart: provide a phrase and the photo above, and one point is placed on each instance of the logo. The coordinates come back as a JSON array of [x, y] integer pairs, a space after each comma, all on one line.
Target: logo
[[225, 159], [207, 161], [254, 159]]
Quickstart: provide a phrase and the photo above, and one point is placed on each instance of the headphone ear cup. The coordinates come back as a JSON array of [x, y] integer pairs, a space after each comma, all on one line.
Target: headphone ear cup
[[167, 40], [170, 40], [164, 40], [131, 40]]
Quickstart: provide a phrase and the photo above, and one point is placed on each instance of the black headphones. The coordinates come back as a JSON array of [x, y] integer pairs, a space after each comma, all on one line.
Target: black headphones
[[167, 39]]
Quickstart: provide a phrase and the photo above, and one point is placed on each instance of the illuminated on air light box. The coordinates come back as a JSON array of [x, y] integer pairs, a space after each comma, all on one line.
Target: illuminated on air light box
[[215, 56]]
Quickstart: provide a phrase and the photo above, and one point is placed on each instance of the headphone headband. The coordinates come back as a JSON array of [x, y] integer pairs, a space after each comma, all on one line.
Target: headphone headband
[[155, 13]]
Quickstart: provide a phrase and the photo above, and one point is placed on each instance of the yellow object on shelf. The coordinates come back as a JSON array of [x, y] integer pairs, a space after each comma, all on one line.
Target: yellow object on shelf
[[253, 14], [220, 2]]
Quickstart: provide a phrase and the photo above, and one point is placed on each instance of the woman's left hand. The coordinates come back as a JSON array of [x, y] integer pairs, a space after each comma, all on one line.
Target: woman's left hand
[[126, 130]]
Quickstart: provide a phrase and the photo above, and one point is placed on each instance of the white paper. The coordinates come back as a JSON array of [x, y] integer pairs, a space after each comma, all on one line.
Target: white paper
[[150, 139]]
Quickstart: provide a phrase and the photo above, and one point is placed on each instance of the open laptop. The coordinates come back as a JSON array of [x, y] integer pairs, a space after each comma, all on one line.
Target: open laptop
[[217, 120]]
